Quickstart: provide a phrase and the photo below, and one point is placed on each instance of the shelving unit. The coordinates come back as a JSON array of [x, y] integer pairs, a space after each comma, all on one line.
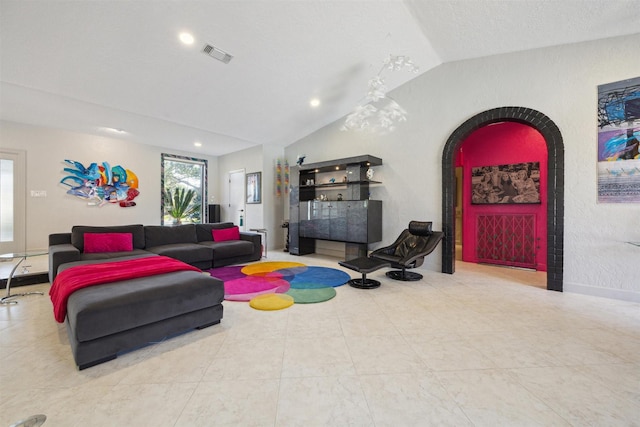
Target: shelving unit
[[340, 184], [318, 211]]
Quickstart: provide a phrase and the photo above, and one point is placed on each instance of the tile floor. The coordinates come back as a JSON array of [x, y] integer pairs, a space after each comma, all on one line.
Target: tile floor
[[477, 348]]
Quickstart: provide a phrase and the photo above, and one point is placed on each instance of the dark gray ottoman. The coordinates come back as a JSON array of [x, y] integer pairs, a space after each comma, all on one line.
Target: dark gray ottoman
[[112, 318], [364, 265]]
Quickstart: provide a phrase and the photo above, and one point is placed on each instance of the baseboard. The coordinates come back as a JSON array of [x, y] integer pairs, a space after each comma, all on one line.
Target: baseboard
[[619, 294]]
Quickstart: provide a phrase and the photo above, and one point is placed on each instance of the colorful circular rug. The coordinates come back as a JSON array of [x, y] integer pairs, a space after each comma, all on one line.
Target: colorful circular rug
[[305, 284], [270, 302], [310, 296], [245, 288]]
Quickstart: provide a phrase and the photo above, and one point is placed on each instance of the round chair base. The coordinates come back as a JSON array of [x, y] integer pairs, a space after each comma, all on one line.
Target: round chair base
[[364, 283], [32, 421], [407, 276]]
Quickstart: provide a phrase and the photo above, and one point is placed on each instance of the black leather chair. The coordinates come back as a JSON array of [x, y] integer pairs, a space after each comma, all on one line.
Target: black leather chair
[[409, 250]]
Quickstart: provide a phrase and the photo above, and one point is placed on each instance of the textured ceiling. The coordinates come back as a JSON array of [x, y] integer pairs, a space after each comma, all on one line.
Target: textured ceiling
[[89, 65]]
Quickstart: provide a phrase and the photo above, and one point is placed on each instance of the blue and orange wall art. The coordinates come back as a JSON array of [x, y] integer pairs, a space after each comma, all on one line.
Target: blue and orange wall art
[[619, 142], [101, 184]]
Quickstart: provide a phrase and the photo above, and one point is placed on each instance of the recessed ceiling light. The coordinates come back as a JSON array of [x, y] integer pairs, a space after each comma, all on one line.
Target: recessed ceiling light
[[186, 38], [197, 144], [314, 102]]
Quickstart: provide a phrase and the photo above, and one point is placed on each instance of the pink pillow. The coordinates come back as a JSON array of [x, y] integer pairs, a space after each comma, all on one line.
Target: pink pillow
[[222, 234], [108, 242]]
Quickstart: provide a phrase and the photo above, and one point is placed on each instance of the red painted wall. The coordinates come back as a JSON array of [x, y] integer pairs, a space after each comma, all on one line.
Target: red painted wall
[[498, 144]]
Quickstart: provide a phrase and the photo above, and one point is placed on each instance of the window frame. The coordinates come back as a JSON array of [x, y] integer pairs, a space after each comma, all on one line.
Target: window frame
[[204, 181]]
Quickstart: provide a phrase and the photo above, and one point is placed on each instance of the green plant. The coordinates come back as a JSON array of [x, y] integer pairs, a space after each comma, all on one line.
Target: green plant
[[180, 203]]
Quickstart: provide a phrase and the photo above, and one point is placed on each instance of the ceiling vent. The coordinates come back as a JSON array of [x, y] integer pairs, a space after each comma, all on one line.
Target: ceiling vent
[[216, 53]]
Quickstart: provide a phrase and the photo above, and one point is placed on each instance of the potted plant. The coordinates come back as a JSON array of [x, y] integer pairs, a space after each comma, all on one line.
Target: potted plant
[[180, 203]]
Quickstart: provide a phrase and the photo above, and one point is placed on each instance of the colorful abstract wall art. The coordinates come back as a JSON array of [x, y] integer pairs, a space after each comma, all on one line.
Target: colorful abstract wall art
[[286, 176], [278, 178], [101, 184], [619, 141]]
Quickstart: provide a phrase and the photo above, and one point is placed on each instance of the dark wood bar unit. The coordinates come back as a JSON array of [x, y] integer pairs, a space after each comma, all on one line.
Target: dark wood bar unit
[[330, 201]]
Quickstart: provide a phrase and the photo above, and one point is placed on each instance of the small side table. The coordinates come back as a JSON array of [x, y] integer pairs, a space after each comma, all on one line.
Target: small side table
[[364, 265], [262, 231], [8, 299]]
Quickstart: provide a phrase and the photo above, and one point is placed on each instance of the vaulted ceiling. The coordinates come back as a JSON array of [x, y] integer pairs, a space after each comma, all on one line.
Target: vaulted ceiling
[[98, 66]]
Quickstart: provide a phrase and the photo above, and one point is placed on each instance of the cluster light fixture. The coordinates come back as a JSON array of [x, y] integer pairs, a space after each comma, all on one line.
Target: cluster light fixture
[[378, 112]]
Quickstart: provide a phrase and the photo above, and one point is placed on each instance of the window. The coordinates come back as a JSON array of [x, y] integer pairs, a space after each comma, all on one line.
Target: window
[[184, 189]]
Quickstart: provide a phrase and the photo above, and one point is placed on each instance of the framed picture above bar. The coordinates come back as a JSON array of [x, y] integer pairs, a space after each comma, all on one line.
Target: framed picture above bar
[[254, 187], [515, 183]]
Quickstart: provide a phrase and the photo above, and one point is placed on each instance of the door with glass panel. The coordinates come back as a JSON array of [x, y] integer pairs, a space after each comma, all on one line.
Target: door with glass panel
[[236, 205], [12, 201]]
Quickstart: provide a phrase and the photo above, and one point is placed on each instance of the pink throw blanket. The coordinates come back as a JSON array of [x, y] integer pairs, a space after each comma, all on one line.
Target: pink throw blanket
[[82, 276]]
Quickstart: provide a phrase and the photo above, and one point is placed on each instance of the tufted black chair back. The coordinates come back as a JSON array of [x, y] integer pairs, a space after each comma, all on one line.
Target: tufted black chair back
[[410, 249]]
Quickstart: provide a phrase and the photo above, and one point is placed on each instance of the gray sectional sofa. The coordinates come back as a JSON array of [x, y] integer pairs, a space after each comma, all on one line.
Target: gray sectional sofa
[[105, 320], [190, 243]]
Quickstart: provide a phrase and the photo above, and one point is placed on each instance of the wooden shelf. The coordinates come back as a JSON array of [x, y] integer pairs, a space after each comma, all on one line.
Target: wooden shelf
[[365, 161], [339, 184]]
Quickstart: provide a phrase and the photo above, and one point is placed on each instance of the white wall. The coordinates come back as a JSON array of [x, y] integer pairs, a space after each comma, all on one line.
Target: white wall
[[250, 160], [273, 205], [46, 149], [269, 213], [561, 82]]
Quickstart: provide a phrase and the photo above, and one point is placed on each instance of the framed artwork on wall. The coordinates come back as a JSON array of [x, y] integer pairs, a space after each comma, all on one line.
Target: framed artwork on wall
[[619, 142], [254, 187], [515, 183]]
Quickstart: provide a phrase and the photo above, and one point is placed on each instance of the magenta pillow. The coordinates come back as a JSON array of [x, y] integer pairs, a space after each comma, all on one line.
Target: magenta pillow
[[222, 234], [108, 242]]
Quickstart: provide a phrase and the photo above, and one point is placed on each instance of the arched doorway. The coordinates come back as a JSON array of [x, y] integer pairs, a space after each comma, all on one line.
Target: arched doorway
[[555, 188]]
